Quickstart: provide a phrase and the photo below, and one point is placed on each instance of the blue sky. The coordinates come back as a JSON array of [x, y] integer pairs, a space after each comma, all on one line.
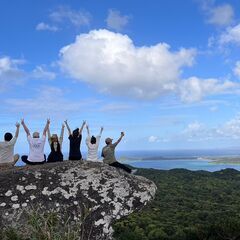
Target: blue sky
[[165, 72]]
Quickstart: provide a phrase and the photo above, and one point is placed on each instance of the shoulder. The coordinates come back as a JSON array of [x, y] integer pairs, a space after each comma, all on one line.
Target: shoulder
[[13, 140]]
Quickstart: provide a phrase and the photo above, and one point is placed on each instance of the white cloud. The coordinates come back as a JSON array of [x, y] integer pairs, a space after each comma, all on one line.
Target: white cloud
[[65, 13], [194, 89], [218, 15], [113, 64], [46, 27], [200, 132], [48, 102], [236, 69], [40, 73], [116, 107], [231, 129], [116, 21], [153, 139], [221, 15], [10, 74], [231, 35]]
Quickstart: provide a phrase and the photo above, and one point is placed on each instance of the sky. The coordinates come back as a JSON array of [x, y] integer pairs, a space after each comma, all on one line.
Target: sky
[[166, 72]]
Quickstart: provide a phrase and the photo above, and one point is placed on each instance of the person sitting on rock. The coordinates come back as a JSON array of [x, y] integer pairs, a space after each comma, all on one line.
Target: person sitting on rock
[[7, 157], [36, 146], [92, 144], [108, 154], [56, 146], [75, 139]]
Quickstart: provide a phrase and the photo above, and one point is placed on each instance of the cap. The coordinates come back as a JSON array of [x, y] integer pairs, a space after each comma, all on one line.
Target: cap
[[108, 140]]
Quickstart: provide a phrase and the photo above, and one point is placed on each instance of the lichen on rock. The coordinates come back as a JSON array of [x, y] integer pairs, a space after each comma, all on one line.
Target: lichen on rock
[[90, 193]]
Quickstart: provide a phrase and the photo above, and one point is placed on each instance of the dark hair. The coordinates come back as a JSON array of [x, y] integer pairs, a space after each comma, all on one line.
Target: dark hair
[[93, 140], [75, 133], [8, 137]]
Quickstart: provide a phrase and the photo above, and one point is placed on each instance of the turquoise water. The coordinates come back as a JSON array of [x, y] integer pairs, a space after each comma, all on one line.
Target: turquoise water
[[193, 164], [188, 159], [165, 160]]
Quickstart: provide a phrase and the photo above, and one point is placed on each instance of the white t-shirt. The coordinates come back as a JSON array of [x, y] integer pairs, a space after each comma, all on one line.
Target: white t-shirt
[[92, 149], [6, 151], [36, 149]]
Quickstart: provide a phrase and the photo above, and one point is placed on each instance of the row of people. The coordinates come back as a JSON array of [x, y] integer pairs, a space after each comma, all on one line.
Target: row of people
[[37, 143]]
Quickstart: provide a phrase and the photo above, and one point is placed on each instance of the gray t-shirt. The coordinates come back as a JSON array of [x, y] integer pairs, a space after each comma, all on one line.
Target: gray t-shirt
[[6, 151], [109, 153]]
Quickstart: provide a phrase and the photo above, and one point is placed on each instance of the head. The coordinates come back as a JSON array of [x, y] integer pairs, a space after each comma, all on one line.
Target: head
[[93, 140], [8, 137], [75, 132], [36, 135], [108, 141], [54, 138]]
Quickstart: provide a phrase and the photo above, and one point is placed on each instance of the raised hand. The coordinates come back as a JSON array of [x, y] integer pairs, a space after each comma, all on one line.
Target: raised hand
[[122, 134], [22, 121], [17, 124]]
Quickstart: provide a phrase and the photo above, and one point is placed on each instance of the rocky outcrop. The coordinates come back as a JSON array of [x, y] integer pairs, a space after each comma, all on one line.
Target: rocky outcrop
[[90, 193]]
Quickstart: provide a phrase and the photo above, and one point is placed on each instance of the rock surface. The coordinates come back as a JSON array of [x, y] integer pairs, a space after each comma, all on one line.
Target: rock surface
[[73, 189]]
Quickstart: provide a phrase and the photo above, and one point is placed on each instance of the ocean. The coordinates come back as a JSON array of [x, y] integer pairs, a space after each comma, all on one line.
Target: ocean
[[189, 159], [169, 159]]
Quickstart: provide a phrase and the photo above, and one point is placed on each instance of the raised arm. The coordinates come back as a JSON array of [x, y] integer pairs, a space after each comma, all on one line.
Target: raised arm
[[101, 130], [49, 135], [83, 124], [25, 127], [119, 140], [46, 127], [61, 134], [88, 131], [68, 128], [17, 130]]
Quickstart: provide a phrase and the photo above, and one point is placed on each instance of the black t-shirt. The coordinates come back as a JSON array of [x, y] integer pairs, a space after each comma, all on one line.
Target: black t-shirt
[[75, 147]]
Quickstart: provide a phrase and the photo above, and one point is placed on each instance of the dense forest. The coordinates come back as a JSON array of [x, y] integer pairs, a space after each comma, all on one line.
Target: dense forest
[[188, 206]]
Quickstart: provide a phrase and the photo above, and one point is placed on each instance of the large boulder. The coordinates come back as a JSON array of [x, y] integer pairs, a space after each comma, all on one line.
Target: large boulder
[[90, 193]]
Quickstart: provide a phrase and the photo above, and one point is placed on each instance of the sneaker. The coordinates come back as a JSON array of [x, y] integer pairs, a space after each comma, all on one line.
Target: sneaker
[[134, 171]]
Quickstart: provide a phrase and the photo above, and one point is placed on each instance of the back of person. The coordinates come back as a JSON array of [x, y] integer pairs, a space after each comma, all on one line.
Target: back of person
[[92, 149], [108, 152], [7, 151], [75, 153], [56, 153], [36, 146]]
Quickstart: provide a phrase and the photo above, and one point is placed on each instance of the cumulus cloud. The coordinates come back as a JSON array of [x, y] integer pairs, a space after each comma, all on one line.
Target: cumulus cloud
[[10, 73], [194, 89], [231, 35], [113, 64], [221, 15], [116, 21], [46, 27], [197, 131], [66, 14]]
